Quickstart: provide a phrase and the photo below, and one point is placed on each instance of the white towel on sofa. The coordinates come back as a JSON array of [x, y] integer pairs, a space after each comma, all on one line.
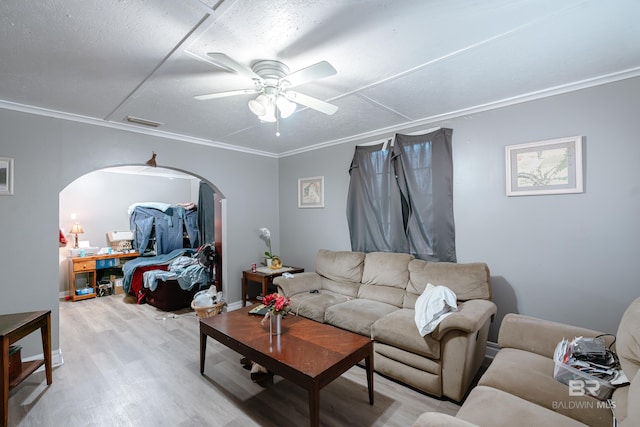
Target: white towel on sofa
[[435, 303]]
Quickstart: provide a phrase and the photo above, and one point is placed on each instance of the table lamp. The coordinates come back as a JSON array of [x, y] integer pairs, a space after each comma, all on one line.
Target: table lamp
[[76, 229]]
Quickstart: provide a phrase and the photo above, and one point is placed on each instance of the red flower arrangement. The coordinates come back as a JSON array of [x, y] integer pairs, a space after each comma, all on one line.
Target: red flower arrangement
[[277, 304]]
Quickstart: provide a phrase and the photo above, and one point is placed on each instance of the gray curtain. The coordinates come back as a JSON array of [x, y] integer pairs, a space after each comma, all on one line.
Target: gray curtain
[[374, 207], [424, 167], [206, 213], [401, 199]]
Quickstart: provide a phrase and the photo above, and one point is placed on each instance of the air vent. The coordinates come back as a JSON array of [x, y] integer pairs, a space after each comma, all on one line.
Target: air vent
[[143, 122]]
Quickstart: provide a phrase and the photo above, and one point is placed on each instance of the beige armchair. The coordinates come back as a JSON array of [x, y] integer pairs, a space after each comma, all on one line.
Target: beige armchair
[[519, 389]]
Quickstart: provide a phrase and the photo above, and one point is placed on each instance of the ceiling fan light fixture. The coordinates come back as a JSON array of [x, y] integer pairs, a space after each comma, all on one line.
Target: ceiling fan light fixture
[[285, 106], [259, 105], [270, 114]]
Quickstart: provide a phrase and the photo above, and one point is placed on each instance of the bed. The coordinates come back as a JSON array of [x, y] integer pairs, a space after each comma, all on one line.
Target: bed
[[169, 281]]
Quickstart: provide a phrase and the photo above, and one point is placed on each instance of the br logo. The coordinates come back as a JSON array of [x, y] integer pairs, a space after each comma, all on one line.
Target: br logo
[[582, 387]]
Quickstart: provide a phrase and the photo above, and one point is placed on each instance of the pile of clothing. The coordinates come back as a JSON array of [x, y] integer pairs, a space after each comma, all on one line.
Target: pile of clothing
[[186, 270]]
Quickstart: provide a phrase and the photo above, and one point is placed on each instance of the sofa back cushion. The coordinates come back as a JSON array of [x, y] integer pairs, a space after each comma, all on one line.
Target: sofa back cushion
[[348, 289], [467, 281], [387, 269], [340, 266], [381, 293], [628, 340], [385, 277]]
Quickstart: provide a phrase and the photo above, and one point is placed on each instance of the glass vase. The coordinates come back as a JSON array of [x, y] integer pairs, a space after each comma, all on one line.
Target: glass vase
[[275, 324]]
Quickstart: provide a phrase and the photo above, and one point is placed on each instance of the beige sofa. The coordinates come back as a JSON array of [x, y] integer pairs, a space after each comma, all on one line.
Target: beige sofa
[[519, 387], [374, 294]]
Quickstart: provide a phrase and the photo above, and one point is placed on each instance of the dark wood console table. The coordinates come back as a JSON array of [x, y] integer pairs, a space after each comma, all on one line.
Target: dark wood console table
[[14, 327]]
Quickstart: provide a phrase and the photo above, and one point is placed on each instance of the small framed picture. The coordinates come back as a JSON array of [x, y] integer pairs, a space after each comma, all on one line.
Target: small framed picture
[[6, 176], [311, 192], [545, 167]]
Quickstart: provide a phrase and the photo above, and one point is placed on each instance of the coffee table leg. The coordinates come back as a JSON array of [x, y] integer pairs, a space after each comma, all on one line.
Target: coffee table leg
[[203, 350], [314, 406], [368, 361]]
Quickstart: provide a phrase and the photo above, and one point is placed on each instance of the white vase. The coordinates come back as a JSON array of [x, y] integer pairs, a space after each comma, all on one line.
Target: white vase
[[269, 262]]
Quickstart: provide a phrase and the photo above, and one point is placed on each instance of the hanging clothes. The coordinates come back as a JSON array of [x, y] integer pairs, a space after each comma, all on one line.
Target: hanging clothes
[[206, 213]]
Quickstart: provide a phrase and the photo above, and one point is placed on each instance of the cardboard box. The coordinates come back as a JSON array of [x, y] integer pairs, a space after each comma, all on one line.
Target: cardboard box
[[117, 285]]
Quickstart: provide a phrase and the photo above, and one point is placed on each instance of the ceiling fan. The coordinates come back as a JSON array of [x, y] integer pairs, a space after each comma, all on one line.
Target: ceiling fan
[[273, 81]]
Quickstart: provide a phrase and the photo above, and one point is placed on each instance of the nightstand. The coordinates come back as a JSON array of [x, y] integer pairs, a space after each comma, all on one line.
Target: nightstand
[[264, 276]]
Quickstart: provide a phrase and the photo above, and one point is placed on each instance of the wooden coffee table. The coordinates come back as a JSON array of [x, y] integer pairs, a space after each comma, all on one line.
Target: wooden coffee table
[[307, 353]]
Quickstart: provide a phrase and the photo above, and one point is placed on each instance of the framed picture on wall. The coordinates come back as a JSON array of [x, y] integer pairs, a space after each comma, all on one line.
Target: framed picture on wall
[[545, 167], [6, 176], [311, 192]]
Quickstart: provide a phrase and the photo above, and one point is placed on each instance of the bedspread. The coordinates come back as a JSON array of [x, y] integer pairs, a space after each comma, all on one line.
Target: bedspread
[[133, 270], [187, 271]]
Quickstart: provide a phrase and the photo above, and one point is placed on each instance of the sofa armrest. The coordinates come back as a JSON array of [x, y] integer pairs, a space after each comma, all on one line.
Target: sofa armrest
[[436, 419], [470, 317], [537, 335], [300, 282]]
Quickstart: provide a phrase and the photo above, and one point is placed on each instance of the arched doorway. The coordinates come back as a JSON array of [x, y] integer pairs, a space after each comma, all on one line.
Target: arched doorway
[[99, 201]]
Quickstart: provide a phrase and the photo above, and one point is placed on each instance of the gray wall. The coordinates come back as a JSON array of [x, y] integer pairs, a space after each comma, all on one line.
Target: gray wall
[[101, 199], [51, 153], [570, 258]]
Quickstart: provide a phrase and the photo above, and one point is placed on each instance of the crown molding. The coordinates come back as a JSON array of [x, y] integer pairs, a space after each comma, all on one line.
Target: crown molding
[[378, 133], [434, 121]]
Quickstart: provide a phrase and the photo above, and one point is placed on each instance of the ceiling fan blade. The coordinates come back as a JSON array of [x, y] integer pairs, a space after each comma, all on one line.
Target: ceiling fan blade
[[225, 94], [312, 72], [308, 101], [225, 61]]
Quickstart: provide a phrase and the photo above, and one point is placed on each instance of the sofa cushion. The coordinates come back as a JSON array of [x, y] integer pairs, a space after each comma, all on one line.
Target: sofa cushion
[[621, 399], [341, 266], [381, 293], [632, 417], [628, 340], [349, 289], [386, 268], [486, 406], [467, 281], [399, 329], [530, 377], [357, 315], [313, 306]]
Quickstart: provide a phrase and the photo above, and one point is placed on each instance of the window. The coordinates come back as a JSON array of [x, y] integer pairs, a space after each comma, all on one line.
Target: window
[[401, 199]]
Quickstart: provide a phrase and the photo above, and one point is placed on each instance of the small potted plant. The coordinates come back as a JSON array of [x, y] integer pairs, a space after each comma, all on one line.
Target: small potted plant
[[273, 261]]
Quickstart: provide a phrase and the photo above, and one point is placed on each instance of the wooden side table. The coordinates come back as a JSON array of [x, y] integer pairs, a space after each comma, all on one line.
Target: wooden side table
[[264, 276], [14, 327]]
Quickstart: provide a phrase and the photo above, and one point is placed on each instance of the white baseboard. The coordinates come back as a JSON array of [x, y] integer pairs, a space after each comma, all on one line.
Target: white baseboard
[[234, 305], [56, 359]]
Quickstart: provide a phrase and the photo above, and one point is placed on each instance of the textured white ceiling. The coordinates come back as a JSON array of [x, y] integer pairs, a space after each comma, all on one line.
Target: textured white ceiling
[[399, 63]]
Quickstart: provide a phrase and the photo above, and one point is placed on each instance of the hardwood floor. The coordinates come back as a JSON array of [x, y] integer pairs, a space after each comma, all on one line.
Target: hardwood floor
[[134, 365]]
